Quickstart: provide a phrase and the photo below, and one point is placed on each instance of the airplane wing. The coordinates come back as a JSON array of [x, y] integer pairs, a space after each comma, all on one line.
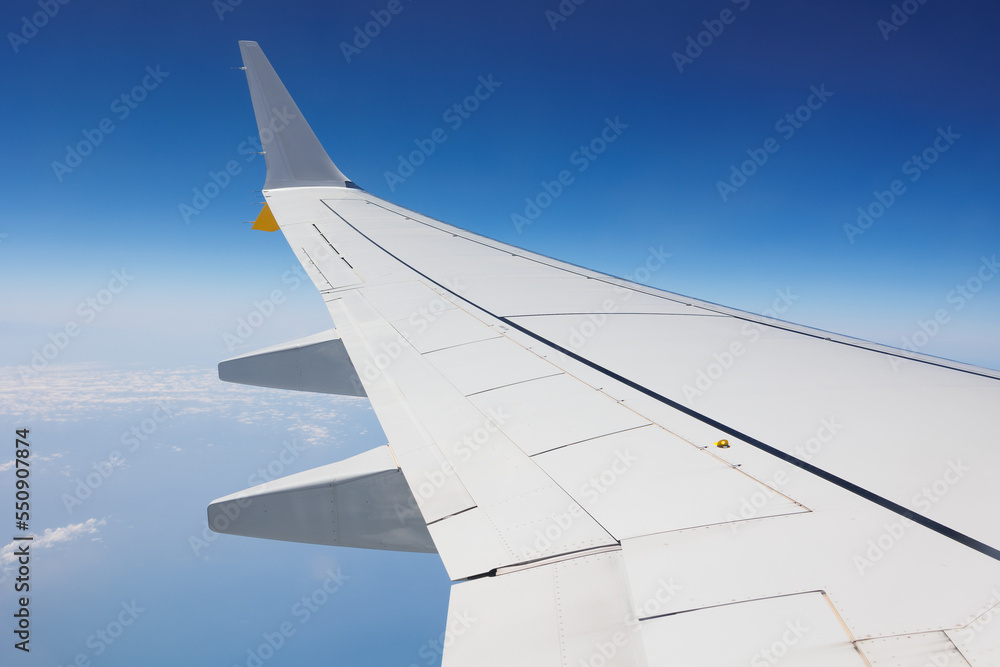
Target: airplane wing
[[617, 475]]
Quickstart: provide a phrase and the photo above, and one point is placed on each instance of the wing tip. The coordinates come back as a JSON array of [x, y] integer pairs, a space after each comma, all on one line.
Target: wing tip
[[294, 156]]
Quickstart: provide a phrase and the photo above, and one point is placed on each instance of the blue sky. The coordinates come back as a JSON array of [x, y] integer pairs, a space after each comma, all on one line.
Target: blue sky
[[656, 185], [888, 95]]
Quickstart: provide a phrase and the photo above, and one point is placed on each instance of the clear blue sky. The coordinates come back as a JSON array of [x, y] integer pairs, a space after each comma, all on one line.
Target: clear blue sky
[[887, 95]]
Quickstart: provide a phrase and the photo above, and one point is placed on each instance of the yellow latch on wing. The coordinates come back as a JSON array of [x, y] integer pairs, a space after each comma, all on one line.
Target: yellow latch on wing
[[722, 444], [265, 222]]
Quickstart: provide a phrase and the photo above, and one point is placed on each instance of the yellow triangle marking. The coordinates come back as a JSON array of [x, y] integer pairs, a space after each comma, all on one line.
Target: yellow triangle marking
[[265, 222]]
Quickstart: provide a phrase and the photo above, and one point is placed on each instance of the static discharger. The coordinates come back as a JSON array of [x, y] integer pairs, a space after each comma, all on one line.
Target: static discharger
[[722, 444], [265, 222]]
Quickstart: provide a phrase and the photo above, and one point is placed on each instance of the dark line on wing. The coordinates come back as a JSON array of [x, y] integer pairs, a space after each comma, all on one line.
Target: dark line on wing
[[454, 345], [890, 505], [595, 437], [601, 312], [514, 384], [324, 237], [691, 302], [467, 509], [729, 604]]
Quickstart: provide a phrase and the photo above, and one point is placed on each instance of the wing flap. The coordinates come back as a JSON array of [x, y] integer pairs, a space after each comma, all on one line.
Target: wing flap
[[794, 631], [914, 650], [515, 501], [554, 411], [867, 562], [647, 480], [565, 613]]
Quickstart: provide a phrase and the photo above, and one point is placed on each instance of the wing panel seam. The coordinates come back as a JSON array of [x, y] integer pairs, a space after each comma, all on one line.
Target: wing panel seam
[[690, 302], [926, 522]]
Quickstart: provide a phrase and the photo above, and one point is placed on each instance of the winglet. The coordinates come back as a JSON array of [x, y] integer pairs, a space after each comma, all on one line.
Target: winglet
[[294, 156]]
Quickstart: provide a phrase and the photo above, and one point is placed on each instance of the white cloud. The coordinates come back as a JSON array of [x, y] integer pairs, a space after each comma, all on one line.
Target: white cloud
[[87, 391], [4, 467], [313, 434], [51, 537]]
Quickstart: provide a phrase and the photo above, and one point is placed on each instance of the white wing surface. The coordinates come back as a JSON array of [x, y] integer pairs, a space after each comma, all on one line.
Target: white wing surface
[[617, 475]]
